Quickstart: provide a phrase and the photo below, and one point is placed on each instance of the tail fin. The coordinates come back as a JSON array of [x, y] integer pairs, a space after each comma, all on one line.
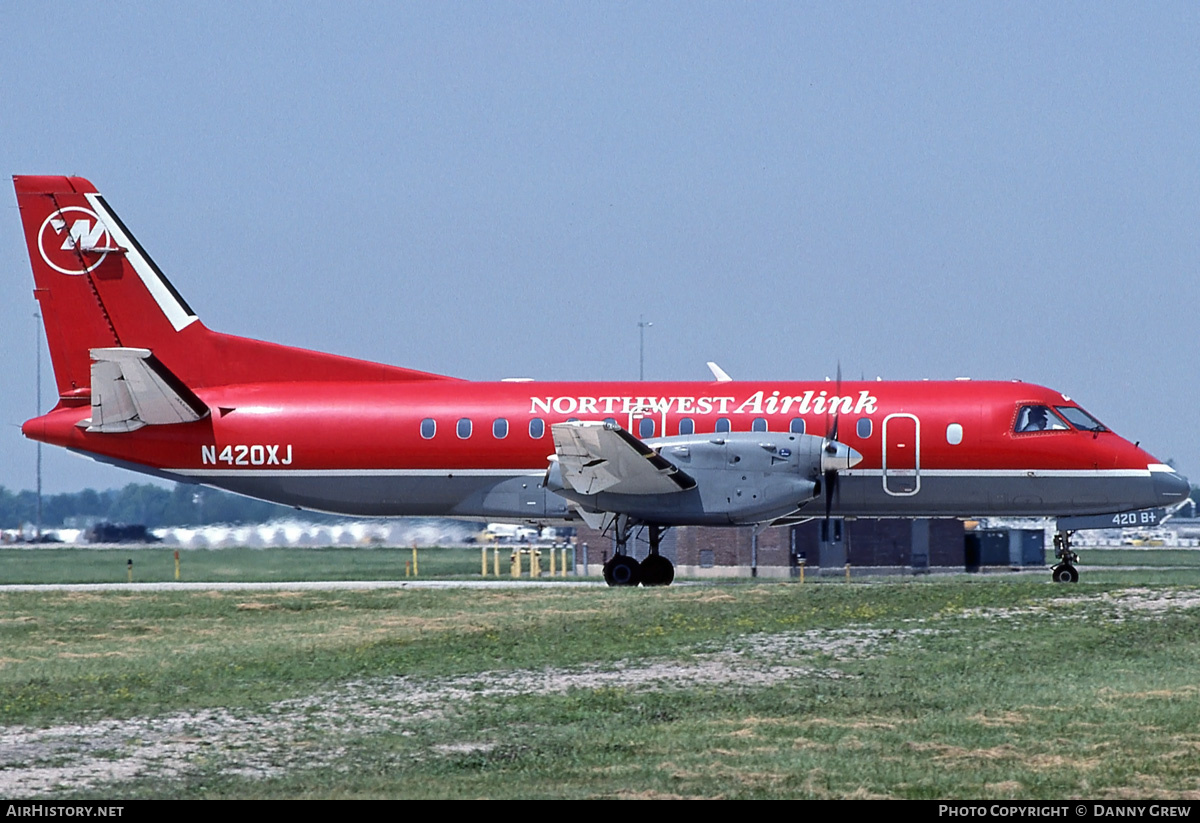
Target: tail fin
[[95, 285], [98, 289]]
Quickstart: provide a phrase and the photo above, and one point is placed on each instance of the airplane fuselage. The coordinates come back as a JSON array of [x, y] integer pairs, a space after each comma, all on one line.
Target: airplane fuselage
[[469, 449]]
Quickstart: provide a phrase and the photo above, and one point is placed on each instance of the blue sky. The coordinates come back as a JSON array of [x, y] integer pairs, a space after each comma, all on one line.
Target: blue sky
[[501, 189]]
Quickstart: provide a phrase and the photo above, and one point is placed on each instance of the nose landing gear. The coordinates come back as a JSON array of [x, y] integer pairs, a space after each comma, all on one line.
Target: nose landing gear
[[1065, 571]]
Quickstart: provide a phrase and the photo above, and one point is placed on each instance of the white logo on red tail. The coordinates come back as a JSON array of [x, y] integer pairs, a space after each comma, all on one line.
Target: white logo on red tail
[[73, 240]]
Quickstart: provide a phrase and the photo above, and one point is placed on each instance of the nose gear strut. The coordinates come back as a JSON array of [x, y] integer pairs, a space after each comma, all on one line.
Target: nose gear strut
[[1064, 572]]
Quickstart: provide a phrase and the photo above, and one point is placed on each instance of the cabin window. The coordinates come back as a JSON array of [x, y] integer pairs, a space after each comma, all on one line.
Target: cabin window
[[646, 427], [611, 421], [499, 428], [954, 434], [687, 425], [572, 419], [759, 424], [722, 424], [428, 428], [537, 428], [1038, 419], [1080, 419], [464, 428], [863, 428], [796, 426]]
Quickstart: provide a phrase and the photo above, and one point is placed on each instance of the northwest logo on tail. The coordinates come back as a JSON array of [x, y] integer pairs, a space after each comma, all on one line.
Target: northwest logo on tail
[[73, 240]]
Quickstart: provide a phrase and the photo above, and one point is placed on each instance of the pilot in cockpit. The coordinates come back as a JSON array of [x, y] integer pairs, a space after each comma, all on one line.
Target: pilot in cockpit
[[1037, 419]]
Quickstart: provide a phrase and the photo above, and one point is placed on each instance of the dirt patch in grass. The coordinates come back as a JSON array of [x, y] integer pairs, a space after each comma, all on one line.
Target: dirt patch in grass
[[946, 752], [1117, 606], [88, 655], [1001, 720], [1182, 693], [1004, 787], [858, 723], [817, 784], [256, 606], [1049, 762], [1147, 786], [650, 795], [863, 793], [315, 730], [83, 597], [705, 596]]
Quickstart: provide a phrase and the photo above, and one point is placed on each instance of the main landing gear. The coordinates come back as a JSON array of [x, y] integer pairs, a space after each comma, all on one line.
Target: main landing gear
[[624, 569], [1065, 571]]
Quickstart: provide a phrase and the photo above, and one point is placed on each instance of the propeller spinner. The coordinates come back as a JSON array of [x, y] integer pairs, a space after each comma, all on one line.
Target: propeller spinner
[[837, 457]]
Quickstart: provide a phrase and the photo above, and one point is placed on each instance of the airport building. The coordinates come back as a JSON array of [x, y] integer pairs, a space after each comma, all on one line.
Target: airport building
[[882, 546]]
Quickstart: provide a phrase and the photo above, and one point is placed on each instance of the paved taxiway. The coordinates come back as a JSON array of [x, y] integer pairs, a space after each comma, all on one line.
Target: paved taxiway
[[315, 585]]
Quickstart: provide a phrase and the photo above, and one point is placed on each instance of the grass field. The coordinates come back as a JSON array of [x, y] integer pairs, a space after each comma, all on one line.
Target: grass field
[[1156, 557], [962, 687], [157, 564]]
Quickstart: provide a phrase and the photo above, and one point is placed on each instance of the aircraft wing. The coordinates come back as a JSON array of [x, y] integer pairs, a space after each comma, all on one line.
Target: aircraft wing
[[131, 389], [596, 457]]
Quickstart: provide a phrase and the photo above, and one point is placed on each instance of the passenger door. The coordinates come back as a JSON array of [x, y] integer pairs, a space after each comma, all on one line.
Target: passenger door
[[901, 454]]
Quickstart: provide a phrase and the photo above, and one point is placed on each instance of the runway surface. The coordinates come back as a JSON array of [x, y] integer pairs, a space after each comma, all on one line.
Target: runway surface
[[316, 585]]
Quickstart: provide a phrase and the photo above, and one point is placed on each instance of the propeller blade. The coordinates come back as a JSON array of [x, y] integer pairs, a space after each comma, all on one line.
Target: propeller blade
[[838, 455], [832, 427]]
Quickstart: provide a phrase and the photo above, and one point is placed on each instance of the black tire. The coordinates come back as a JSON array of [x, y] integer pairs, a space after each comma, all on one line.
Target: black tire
[[622, 570], [1065, 573], [657, 571]]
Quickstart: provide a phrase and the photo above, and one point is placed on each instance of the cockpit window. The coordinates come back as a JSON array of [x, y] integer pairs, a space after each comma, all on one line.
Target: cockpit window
[[1037, 419], [1080, 419]]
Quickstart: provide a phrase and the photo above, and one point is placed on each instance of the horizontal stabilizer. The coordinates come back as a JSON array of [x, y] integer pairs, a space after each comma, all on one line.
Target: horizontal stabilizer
[[131, 389], [599, 457]]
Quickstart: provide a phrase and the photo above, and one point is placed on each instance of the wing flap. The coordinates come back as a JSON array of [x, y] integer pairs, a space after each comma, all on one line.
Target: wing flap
[[599, 457]]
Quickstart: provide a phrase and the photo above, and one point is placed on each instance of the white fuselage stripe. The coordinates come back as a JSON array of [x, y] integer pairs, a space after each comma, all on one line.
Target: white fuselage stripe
[[358, 472], [1079, 473], [962, 473]]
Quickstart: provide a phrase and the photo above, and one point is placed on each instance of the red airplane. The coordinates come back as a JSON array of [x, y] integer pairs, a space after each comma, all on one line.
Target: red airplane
[[143, 384]]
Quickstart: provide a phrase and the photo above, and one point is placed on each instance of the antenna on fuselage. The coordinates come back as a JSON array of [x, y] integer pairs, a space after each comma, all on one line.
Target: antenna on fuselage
[[642, 326], [719, 373]]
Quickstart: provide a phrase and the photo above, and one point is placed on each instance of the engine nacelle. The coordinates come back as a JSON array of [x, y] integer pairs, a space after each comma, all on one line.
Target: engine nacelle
[[741, 477]]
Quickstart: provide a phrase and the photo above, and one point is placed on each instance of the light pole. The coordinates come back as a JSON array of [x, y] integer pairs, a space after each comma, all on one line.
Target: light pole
[[38, 348], [642, 326]]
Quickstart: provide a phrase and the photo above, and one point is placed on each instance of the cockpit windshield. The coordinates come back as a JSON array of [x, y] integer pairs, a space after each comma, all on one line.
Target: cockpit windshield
[[1038, 419], [1080, 419]]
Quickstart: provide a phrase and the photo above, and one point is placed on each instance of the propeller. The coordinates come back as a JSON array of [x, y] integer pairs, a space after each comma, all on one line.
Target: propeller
[[835, 456], [829, 459]]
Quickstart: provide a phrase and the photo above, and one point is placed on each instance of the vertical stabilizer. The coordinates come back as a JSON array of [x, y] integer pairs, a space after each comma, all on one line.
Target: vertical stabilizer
[[99, 289], [95, 285]]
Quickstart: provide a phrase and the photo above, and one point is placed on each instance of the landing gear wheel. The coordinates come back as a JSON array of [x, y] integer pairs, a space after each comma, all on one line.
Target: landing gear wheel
[[1065, 573], [657, 571], [622, 570]]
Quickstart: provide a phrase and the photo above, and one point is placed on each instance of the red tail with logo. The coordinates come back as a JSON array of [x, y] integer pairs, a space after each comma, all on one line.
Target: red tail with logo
[[98, 288]]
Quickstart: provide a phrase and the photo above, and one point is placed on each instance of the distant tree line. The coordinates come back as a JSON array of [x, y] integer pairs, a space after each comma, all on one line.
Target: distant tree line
[[152, 506]]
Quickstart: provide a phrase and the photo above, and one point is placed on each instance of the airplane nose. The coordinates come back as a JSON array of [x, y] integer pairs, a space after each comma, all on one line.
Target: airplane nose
[[1170, 487]]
